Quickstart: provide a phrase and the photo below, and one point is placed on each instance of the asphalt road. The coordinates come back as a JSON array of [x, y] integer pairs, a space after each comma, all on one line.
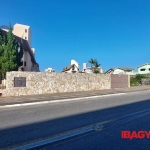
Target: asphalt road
[[24, 125]]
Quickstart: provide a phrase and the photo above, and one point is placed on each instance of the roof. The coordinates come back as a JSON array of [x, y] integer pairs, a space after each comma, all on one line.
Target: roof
[[125, 69], [109, 71], [69, 67], [5, 27], [94, 67], [25, 45], [21, 25], [122, 68], [144, 65]]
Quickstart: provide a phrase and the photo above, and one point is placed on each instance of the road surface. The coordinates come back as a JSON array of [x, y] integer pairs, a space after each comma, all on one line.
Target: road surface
[[84, 124]]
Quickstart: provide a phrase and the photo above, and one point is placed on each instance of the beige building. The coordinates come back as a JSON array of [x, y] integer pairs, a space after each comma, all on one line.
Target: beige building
[[23, 33]]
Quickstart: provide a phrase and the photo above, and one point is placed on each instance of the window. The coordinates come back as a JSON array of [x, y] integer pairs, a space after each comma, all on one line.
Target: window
[[25, 30], [25, 63], [25, 37], [149, 69], [22, 69], [142, 69]]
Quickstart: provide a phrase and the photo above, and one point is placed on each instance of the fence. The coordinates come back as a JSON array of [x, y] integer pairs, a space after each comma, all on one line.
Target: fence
[[145, 81], [31, 83]]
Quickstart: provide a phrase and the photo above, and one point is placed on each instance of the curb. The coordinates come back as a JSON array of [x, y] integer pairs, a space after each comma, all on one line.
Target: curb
[[66, 100], [59, 100]]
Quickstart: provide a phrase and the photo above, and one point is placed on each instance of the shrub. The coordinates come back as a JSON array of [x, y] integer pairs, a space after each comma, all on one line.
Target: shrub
[[134, 81]]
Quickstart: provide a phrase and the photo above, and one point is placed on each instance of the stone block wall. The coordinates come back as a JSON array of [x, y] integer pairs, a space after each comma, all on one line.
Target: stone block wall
[[46, 83]]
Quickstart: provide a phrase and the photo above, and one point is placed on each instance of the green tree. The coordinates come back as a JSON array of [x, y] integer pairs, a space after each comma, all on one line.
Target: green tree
[[10, 58], [94, 65], [92, 62], [1, 52]]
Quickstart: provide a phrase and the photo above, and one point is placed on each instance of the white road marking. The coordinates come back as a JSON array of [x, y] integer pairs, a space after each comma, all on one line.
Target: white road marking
[[66, 100], [55, 139], [94, 127], [59, 100]]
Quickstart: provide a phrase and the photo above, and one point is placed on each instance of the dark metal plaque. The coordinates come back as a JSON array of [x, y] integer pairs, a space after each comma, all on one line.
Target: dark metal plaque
[[19, 81]]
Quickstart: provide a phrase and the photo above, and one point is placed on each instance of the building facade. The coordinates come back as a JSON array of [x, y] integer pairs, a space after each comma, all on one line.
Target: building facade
[[73, 68], [120, 70], [23, 36], [90, 69], [49, 70], [144, 69]]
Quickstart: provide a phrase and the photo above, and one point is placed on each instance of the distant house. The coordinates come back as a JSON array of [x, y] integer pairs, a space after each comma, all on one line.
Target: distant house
[[120, 70], [73, 68], [23, 36], [109, 71], [144, 69], [90, 69], [49, 70]]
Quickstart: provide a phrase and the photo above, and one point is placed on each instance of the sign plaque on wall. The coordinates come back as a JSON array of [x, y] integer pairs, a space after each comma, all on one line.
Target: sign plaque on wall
[[19, 81]]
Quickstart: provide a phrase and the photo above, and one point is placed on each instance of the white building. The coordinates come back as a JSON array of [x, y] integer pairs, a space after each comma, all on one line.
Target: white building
[[49, 70], [73, 68], [23, 36], [144, 69], [73, 62], [120, 70], [90, 69]]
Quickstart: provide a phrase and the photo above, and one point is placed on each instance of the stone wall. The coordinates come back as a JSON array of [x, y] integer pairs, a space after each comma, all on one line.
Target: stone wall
[[46, 82]]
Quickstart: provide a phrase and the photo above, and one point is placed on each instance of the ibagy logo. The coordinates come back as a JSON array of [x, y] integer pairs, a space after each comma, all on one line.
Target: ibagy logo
[[135, 134]]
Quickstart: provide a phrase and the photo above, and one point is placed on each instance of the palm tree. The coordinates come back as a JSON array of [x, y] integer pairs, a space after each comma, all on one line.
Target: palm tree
[[96, 64], [92, 62], [96, 68]]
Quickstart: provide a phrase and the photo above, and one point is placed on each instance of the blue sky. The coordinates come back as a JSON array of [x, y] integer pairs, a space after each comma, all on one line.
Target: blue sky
[[115, 32]]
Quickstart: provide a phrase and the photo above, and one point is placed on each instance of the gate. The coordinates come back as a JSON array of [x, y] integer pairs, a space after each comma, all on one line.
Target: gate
[[120, 81]]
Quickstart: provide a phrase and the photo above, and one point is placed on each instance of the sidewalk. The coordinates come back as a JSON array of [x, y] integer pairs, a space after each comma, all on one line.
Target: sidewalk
[[69, 95]]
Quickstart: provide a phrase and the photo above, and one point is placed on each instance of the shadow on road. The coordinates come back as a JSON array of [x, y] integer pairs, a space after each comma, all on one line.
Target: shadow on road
[[30, 132]]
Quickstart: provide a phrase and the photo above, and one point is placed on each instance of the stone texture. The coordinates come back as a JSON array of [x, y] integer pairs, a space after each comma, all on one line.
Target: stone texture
[[46, 82]]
